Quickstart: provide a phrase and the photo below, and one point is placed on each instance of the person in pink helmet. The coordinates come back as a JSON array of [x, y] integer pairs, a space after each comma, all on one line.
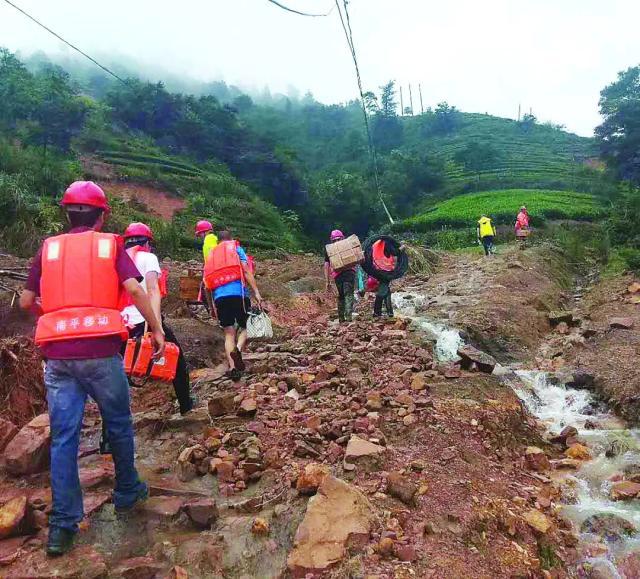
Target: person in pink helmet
[[344, 280], [204, 232]]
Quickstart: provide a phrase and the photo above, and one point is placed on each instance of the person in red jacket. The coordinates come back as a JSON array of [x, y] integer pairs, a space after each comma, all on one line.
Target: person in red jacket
[[79, 277]]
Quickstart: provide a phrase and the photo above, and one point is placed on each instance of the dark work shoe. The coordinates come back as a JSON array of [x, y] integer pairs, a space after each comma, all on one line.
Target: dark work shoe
[[238, 362], [60, 541], [189, 406], [141, 497]]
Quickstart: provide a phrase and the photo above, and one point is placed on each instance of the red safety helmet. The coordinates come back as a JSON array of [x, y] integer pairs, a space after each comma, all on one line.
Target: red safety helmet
[[138, 230], [336, 234], [203, 226], [85, 193]]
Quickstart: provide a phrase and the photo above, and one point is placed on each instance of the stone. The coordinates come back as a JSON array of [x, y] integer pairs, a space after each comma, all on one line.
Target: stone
[[94, 501], [472, 356], [621, 323], [163, 507], [536, 459], [293, 394], [12, 517], [567, 432], [409, 419], [178, 572], [385, 547], [221, 404], [28, 451], [82, 562], [137, 568], [311, 478], [260, 526], [10, 550], [360, 451], [401, 488], [625, 490], [419, 382], [374, 400], [96, 475], [338, 517], [202, 512], [558, 317], [578, 451], [634, 288], [8, 431], [248, 406], [563, 328], [537, 521], [609, 527], [406, 552], [629, 565]]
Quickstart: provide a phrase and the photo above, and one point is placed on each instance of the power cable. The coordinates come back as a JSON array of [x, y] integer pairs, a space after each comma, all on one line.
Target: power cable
[[298, 12], [113, 74], [348, 32]]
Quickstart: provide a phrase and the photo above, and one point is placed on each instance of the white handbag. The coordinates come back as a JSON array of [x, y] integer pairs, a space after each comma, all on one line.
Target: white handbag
[[259, 326]]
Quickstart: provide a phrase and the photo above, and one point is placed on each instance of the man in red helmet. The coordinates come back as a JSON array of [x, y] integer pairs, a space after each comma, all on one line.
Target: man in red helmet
[[79, 277], [137, 241]]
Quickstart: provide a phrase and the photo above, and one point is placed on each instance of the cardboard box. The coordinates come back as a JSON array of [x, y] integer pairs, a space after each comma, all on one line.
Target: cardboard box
[[190, 286], [345, 253]]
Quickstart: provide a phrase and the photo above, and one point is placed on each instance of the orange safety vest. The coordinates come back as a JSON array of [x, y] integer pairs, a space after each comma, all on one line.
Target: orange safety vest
[[125, 298], [80, 288], [380, 260], [222, 266]]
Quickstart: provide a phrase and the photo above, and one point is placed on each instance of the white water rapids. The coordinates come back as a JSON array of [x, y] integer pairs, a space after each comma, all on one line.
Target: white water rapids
[[558, 406]]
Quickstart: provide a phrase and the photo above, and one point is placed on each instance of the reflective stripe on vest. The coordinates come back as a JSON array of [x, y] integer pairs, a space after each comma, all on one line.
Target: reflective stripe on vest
[[79, 288], [380, 260], [223, 265]]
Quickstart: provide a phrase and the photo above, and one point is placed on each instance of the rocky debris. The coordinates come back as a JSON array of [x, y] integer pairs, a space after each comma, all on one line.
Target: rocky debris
[[473, 358], [578, 451], [400, 487], [221, 404], [28, 451], [137, 568], [608, 527], [625, 490], [311, 478], [10, 550], [178, 573], [202, 512], [363, 452], [94, 476], [621, 323], [536, 459], [12, 517], [338, 517], [248, 407], [187, 465], [559, 317], [8, 430], [537, 521], [82, 562]]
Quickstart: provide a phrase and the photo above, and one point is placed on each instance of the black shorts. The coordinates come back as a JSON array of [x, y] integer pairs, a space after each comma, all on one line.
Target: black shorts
[[231, 311]]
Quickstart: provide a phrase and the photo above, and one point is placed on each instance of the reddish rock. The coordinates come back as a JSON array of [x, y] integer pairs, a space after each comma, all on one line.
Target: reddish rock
[[385, 547], [338, 516], [621, 323], [137, 568], [567, 432], [313, 423], [260, 526], [629, 565], [163, 507], [248, 406], [10, 550], [224, 471], [221, 404], [473, 357], [362, 451], [625, 490], [178, 573], [406, 552], [536, 459], [8, 430], [28, 451], [578, 452], [82, 562], [311, 478], [401, 488], [96, 475], [12, 517], [202, 512]]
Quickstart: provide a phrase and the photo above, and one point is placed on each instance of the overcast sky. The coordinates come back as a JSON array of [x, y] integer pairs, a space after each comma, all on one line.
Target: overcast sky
[[480, 55]]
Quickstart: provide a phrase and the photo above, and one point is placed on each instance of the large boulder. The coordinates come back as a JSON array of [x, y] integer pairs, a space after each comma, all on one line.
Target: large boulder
[[338, 518], [12, 517], [28, 451], [473, 357]]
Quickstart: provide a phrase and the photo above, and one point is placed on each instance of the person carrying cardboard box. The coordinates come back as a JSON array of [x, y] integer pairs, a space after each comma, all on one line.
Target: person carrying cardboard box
[[341, 256]]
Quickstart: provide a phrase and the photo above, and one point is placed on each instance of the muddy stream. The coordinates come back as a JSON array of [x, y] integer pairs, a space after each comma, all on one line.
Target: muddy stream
[[588, 489]]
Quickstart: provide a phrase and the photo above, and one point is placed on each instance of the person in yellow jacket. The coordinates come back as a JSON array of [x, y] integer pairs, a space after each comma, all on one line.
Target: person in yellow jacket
[[486, 234], [204, 231]]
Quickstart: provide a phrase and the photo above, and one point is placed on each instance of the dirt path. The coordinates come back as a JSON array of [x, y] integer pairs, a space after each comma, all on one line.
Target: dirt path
[[432, 456]]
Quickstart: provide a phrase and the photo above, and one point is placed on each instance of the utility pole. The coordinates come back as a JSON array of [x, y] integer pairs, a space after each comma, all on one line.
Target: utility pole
[[410, 99], [401, 103], [519, 105], [421, 105]]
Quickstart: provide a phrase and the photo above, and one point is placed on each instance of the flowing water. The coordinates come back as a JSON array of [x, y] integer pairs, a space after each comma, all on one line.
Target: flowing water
[[588, 489]]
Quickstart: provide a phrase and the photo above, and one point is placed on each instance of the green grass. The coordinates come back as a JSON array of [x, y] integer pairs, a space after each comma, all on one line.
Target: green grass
[[464, 211]]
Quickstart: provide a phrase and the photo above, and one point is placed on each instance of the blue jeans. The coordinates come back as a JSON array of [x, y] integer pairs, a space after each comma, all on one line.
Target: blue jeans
[[68, 383]]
